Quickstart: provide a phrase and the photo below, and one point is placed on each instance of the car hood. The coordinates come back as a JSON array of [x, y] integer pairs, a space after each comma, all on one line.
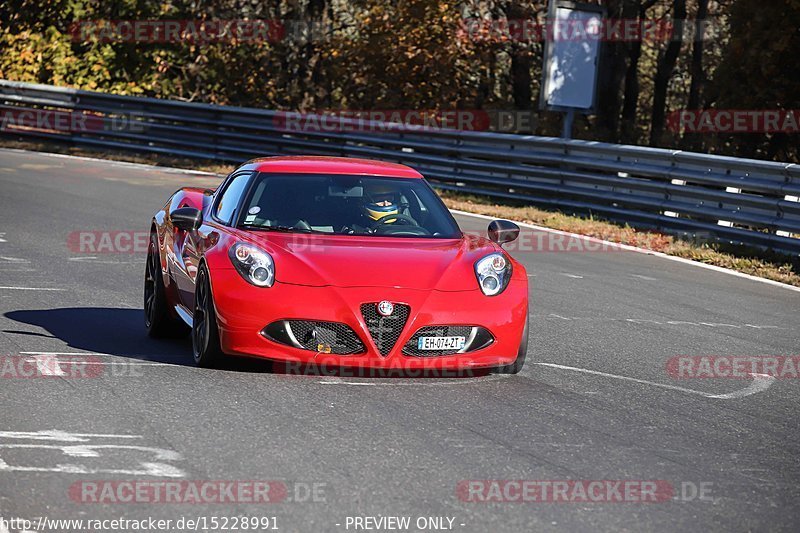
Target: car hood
[[350, 261]]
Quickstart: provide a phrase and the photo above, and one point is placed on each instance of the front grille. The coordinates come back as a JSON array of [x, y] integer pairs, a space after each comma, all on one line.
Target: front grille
[[385, 330], [317, 336], [476, 340]]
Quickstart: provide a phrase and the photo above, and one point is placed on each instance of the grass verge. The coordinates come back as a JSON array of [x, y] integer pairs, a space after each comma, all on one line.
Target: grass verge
[[768, 265]]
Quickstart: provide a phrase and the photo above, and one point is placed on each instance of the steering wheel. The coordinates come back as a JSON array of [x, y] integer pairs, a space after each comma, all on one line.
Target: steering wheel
[[385, 220]]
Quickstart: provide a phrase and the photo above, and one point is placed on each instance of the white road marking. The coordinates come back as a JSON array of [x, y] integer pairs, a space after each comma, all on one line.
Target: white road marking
[[63, 436], [347, 383], [95, 261], [87, 354], [80, 447], [760, 383], [30, 289], [635, 249], [90, 450], [37, 166], [398, 382], [111, 162], [13, 259], [553, 316], [62, 353], [646, 278], [107, 363], [48, 365], [148, 469], [573, 276], [3, 237]]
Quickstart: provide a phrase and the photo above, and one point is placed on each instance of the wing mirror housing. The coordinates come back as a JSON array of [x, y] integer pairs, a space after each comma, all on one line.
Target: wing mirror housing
[[503, 231], [186, 218]]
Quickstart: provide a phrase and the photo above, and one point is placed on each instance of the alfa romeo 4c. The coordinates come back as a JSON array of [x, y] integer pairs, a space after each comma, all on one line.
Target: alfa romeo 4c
[[349, 262]]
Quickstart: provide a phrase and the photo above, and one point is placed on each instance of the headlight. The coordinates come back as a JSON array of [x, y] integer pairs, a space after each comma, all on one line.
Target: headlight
[[254, 264], [493, 273]]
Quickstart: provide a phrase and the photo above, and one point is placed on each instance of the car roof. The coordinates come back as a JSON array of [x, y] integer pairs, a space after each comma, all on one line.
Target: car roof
[[329, 165]]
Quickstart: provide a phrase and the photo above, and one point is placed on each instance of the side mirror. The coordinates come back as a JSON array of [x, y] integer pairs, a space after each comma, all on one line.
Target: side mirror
[[503, 231], [186, 218]]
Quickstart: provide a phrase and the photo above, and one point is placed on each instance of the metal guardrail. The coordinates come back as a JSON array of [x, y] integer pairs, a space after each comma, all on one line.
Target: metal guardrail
[[724, 198]]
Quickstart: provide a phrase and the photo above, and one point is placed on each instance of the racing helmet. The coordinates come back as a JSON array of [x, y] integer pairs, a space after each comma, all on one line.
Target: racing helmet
[[380, 202]]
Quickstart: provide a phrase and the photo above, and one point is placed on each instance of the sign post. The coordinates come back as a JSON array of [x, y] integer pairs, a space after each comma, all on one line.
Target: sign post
[[571, 59]]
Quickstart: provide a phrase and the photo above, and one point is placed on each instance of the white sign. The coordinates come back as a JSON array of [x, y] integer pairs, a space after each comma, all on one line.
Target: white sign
[[571, 61]]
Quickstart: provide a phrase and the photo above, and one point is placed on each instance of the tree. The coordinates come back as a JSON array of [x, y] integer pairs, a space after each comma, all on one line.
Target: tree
[[758, 72], [664, 71]]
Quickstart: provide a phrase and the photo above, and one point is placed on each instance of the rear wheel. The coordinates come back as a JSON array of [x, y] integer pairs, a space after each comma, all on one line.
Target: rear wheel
[[517, 365], [157, 318], [205, 333]]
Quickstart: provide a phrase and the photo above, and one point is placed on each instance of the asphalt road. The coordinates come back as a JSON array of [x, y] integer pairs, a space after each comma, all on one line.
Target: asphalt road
[[384, 447]]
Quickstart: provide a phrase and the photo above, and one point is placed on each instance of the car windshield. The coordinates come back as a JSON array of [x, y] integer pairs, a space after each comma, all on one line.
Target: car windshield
[[346, 205]]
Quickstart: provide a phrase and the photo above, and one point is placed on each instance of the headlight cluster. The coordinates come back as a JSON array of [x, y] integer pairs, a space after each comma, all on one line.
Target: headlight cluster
[[494, 273], [254, 264]]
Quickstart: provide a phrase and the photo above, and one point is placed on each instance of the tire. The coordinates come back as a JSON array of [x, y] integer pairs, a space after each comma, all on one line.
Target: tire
[[157, 318], [205, 332], [517, 365]]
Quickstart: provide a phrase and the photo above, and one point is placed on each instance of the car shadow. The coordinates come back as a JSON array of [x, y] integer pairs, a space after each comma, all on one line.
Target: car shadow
[[115, 331], [121, 332]]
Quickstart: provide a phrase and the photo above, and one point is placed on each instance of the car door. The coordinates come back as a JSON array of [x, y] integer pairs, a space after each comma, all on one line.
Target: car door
[[223, 211]]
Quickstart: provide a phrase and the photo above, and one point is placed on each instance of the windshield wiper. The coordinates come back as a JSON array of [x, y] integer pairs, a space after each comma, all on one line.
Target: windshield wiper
[[284, 229]]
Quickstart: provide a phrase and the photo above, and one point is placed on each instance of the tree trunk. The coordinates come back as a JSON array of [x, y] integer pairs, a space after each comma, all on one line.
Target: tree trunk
[[631, 101], [521, 60], [691, 140], [613, 68], [664, 72], [630, 106]]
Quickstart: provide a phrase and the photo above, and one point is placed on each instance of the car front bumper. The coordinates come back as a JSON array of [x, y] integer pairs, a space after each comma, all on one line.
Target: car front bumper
[[244, 310]]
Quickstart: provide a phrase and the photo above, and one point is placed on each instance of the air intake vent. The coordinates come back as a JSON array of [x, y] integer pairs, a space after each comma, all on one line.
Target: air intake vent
[[385, 330], [327, 337]]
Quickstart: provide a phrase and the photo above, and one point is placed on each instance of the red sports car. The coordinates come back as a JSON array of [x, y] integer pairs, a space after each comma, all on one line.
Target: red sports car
[[334, 261]]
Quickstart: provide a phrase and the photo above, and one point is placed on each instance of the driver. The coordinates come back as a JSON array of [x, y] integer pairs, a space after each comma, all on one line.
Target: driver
[[379, 202]]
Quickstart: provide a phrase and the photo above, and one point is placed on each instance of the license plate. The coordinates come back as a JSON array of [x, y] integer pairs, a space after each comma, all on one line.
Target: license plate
[[441, 343]]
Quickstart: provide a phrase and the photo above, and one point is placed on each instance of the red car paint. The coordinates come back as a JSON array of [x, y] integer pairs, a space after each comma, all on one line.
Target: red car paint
[[328, 277]]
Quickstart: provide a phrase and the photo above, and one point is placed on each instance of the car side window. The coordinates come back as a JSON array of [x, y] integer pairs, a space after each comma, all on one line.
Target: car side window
[[230, 197]]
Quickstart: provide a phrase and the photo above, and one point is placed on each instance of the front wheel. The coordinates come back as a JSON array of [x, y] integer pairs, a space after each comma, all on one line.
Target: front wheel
[[205, 332], [157, 317], [516, 366]]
